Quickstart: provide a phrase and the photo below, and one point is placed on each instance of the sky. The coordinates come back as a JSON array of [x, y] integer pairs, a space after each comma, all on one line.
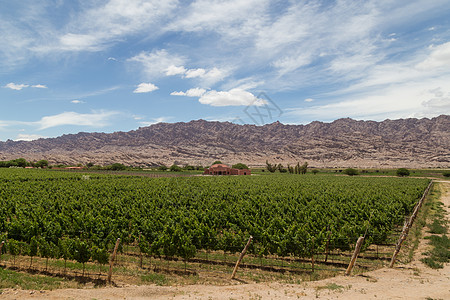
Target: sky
[[117, 65]]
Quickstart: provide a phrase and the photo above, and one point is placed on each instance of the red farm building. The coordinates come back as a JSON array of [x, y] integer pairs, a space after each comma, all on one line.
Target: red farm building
[[221, 169]]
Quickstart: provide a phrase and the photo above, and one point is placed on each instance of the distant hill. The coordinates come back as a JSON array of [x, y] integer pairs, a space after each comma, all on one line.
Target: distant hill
[[342, 143]]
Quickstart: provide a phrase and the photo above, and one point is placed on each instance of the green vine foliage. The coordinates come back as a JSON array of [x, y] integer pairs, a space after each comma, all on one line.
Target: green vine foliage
[[286, 214]]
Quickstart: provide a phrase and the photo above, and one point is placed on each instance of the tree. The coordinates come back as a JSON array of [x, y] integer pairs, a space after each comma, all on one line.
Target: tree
[[290, 169], [189, 168], [271, 167], [217, 162], [315, 171], [303, 168], [162, 168], [41, 164], [175, 168], [350, 172], [446, 174], [20, 162], [117, 167], [281, 168], [403, 172], [240, 166]]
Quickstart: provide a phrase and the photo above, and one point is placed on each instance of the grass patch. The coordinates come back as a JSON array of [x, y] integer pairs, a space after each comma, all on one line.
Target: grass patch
[[158, 279], [432, 263], [13, 279], [437, 227], [415, 234], [440, 253]]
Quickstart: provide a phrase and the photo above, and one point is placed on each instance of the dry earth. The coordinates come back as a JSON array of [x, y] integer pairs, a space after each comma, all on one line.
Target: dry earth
[[411, 281]]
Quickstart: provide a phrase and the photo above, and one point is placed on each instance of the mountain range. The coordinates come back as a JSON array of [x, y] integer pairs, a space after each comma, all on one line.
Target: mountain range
[[343, 143]]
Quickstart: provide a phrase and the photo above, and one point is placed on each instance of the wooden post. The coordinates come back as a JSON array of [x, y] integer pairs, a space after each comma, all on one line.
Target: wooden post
[[408, 225], [241, 257], [111, 261], [401, 239], [355, 255]]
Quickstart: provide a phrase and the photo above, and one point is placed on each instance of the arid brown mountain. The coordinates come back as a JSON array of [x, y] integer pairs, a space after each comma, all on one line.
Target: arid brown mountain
[[342, 143]]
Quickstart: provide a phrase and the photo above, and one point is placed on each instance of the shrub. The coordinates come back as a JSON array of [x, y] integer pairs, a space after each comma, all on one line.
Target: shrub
[[175, 168], [403, 172], [240, 166], [162, 168], [446, 174], [117, 167], [350, 172]]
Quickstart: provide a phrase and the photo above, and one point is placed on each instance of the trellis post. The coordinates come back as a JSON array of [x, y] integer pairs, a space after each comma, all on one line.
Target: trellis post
[[241, 257], [111, 262], [355, 255]]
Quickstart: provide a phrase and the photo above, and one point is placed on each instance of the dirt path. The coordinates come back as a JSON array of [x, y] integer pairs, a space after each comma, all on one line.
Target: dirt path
[[413, 281]]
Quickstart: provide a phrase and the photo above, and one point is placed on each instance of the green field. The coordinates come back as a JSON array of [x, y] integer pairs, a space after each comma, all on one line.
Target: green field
[[288, 215]]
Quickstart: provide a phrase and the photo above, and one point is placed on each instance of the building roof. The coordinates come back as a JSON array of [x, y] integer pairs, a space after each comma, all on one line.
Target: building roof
[[219, 166]]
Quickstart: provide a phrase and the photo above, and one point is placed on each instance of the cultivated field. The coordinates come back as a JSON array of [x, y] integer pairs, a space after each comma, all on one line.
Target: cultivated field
[[190, 230]]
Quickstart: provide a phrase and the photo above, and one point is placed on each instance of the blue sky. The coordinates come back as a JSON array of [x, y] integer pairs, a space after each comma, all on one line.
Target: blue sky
[[116, 65]]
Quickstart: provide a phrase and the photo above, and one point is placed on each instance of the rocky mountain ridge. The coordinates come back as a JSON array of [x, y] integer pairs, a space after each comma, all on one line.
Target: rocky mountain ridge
[[342, 143]]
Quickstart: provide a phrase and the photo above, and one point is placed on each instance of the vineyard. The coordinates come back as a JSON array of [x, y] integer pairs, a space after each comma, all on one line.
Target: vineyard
[[78, 217]]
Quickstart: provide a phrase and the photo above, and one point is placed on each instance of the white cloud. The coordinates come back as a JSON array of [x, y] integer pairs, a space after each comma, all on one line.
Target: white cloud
[[19, 87], [195, 92], [234, 97], [174, 70], [178, 94], [95, 119], [417, 87], [77, 101], [208, 77], [79, 42], [192, 73], [100, 26], [16, 87], [231, 18], [39, 86], [309, 100], [408, 99], [159, 62], [155, 121], [145, 88], [437, 104], [247, 83], [438, 58], [29, 137]]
